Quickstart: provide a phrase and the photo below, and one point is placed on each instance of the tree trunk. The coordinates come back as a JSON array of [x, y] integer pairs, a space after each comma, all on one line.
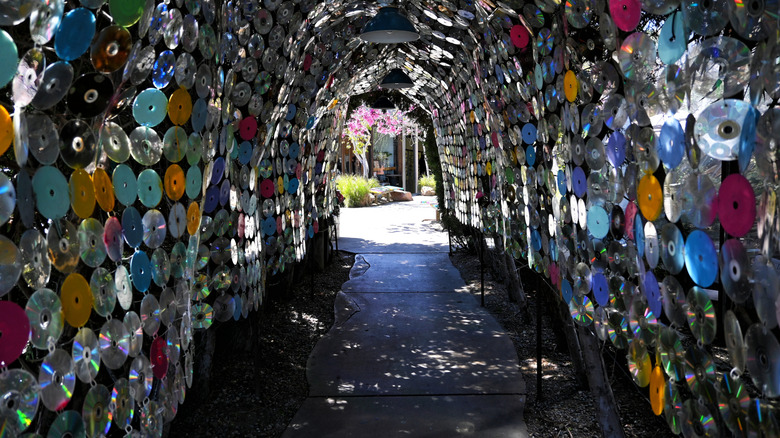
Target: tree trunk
[[609, 418], [581, 373]]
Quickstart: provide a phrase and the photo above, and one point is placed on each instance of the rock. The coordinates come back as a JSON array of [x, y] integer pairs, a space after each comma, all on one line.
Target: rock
[[427, 191], [400, 195]]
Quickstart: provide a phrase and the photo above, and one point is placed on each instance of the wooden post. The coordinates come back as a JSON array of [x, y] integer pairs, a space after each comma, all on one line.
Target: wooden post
[[609, 418]]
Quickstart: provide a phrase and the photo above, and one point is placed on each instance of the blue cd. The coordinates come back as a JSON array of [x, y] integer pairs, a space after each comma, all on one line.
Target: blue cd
[[269, 226], [536, 240], [701, 259], [125, 185], [291, 110], [75, 34], [239, 308], [150, 188], [579, 184], [673, 39], [529, 133], [671, 143], [566, 291], [616, 149], [652, 293], [132, 227], [747, 138], [200, 110], [598, 221], [52, 195], [150, 107], [293, 185], [530, 155], [194, 182], [562, 182], [24, 198], [163, 69], [141, 271], [218, 170], [310, 122], [672, 248], [211, 200], [600, 289], [639, 235], [224, 192], [295, 149], [245, 152]]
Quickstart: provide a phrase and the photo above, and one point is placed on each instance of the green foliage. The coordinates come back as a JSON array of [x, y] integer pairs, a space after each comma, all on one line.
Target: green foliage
[[355, 189], [427, 180]]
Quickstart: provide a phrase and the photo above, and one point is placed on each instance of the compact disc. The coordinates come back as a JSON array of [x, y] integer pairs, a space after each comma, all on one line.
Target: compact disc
[[74, 34], [90, 95], [657, 390], [706, 19], [671, 144], [36, 266], [76, 299], [735, 270], [765, 293], [51, 192], [672, 41], [96, 412], [734, 340], [673, 407], [652, 250], [150, 314], [132, 227], [763, 359], [700, 200], [78, 144], [20, 394], [140, 271], [722, 127], [54, 85], [159, 357], [141, 377], [202, 316], [650, 197], [125, 185], [700, 372], [701, 258], [67, 424], [673, 202], [672, 248], [112, 238], [674, 301], [104, 189], [598, 221], [639, 362], [28, 77], [44, 312], [736, 205], [110, 49], [617, 329], [637, 55], [698, 421], [615, 112], [701, 315], [91, 245], [115, 142], [224, 307], [625, 13], [733, 403], [671, 353], [57, 379], [122, 404], [134, 326], [103, 291], [581, 309], [146, 147], [114, 343], [15, 330], [86, 355], [154, 228]]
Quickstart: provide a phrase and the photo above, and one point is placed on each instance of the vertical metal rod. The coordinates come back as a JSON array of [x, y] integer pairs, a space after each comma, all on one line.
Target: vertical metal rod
[[449, 240], [311, 265], [538, 340], [481, 272]]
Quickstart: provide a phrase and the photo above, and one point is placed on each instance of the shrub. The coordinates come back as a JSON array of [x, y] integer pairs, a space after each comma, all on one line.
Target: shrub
[[355, 189], [427, 180]]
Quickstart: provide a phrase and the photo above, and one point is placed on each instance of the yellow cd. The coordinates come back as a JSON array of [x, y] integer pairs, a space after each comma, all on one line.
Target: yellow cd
[[104, 189], [489, 168], [193, 218], [82, 193], [657, 390], [650, 197], [639, 362], [570, 86], [76, 297], [174, 182], [6, 130], [280, 185], [180, 107]]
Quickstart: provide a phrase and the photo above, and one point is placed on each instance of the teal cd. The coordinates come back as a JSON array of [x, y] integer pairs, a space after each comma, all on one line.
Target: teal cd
[[150, 107], [125, 185], [673, 40], [10, 57], [74, 34], [598, 221], [194, 182], [150, 188], [51, 192]]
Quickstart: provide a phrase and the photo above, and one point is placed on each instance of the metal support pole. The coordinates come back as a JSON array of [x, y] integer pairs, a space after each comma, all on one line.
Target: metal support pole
[[449, 240], [311, 265], [403, 158], [416, 163], [481, 271], [538, 339]]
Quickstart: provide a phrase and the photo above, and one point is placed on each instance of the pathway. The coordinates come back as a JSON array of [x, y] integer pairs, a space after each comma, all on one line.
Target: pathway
[[411, 353]]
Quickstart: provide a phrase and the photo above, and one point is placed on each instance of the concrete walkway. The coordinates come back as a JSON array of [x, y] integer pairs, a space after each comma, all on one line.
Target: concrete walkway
[[411, 353]]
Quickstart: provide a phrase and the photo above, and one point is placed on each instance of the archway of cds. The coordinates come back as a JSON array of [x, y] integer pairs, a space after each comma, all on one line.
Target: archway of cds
[[161, 158]]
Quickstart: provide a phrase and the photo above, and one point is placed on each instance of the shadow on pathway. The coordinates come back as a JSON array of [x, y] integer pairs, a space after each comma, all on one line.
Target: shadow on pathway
[[411, 352]]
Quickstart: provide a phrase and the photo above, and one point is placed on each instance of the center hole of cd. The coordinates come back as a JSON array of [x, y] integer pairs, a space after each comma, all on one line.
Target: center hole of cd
[[90, 96], [57, 378], [112, 49], [77, 144]]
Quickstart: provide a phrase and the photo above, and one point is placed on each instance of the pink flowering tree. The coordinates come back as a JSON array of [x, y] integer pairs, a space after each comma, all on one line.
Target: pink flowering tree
[[364, 119]]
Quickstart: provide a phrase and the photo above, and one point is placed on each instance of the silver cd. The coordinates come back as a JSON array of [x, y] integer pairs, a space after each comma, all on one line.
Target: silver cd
[[57, 379], [133, 324], [19, 392], [114, 343], [141, 377], [86, 355]]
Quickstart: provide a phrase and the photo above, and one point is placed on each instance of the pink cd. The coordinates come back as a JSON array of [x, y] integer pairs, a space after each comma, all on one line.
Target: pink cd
[[306, 62], [519, 36], [248, 128], [112, 238], [736, 205], [267, 188], [631, 210], [159, 358], [14, 332], [316, 225], [625, 13]]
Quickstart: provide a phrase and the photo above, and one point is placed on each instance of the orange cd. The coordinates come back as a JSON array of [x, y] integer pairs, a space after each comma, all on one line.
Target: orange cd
[[570, 86], [6, 130], [111, 48], [76, 299], [82, 193], [104, 189], [657, 390], [193, 218], [174, 182], [650, 197], [180, 107]]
